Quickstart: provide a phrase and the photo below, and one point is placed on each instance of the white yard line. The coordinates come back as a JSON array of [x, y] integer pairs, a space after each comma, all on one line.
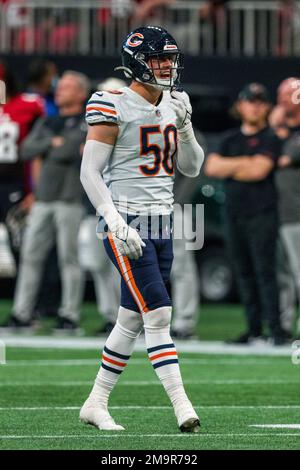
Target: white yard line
[[143, 361], [192, 346], [141, 383], [276, 426], [138, 407], [119, 435]]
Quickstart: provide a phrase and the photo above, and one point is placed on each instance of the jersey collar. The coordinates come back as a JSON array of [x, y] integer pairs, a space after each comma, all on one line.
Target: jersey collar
[[139, 101]]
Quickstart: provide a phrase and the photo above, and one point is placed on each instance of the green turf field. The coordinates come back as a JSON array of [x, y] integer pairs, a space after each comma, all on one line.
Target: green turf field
[[215, 322], [41, 392]]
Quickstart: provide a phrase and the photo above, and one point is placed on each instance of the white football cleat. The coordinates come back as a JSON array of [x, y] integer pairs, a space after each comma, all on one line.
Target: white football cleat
[[187, 418], [97, 415]]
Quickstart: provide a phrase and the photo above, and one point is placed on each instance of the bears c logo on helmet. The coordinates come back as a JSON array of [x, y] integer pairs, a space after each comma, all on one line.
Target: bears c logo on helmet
[[133, 40], [142, 44]]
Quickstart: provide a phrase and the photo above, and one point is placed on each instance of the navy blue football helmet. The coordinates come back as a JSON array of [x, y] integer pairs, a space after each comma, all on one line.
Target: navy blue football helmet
[[151, 42]]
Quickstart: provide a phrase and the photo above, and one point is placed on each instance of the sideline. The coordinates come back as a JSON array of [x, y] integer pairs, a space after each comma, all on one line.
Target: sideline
[[191, 346]]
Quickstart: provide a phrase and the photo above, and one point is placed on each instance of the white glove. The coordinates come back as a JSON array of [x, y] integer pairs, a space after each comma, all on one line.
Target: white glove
[[128, 242], [127, 239], [180, 103]]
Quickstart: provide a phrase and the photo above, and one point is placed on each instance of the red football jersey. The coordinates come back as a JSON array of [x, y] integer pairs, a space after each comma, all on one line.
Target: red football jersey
[[16, 119]]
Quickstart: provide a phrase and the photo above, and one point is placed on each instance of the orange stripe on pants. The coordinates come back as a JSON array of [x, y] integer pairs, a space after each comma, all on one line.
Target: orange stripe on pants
[[131, 282]]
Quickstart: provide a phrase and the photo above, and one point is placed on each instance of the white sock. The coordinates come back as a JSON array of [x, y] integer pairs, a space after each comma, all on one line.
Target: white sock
[[163, 357], [116, 354], [175, 389]]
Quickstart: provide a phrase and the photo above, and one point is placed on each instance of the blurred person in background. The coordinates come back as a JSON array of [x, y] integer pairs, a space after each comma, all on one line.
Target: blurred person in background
[[42, 80], [287, 180], [17, 116], [118, 10], [144, 9], [138, 10], [277, 121], [131, 12], [92, 254], [211, 8], [245, 159], [288, 26], [184, 274], [213, 20], [287, 288], [15, 14], [57, 211], [56, 31]]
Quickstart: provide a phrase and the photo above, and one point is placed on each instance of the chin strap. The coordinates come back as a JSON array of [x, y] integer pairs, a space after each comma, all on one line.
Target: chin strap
[[128, 73]]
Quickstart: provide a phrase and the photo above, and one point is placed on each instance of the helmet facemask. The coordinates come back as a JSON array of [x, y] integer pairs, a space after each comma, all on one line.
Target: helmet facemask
[[160, 76]]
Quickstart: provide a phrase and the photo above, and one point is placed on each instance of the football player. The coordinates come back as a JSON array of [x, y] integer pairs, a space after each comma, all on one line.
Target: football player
[[17, 115], [135, 137]]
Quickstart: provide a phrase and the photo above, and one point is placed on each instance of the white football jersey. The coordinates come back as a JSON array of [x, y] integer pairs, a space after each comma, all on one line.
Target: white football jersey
[[140, 171]]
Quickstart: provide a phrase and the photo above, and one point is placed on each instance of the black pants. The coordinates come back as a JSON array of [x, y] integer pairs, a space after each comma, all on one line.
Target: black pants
[[252, 245], [49, 292], [10, 194]]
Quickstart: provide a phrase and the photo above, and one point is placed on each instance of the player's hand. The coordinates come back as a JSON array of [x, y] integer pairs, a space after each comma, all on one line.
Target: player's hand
[[128, 242], [27, 202], [284, 161], [180, 103], [57, 141]]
